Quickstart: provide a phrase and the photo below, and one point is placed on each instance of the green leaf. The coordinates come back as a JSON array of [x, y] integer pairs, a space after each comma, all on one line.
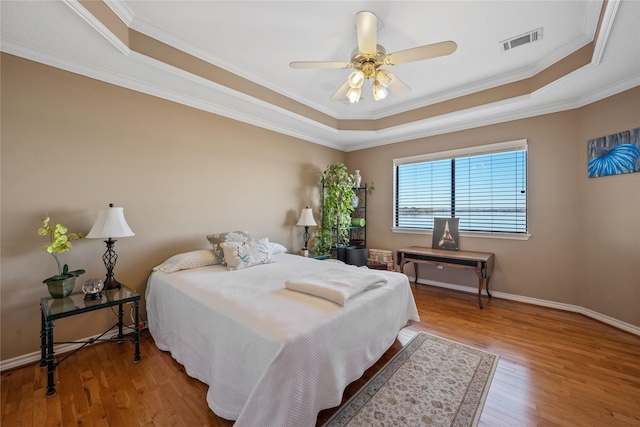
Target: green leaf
[[76, 273], [56, 278]]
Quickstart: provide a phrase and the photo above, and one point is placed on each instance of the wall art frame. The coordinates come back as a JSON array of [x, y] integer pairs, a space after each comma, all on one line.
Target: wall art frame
[[614, 154]]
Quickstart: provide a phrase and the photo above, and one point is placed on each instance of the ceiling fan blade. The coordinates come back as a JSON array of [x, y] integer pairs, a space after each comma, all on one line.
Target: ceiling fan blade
[[397, 86], [320, 64], [367, 27], [341, 93], [421, 52]]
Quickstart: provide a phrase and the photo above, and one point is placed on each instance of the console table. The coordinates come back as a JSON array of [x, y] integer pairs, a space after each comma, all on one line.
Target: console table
[[480, 262], [53, 309]]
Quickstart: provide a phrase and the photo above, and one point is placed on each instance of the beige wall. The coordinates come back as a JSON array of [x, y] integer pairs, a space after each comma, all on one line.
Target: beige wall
[[585, 243], [610, 207], [71, 145]]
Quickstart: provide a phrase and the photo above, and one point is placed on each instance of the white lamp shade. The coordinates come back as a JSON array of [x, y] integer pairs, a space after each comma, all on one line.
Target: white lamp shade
[[306, 218], [110, 223]]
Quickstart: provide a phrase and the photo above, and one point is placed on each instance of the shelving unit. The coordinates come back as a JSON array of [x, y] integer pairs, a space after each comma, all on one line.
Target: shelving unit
[[358, 234]]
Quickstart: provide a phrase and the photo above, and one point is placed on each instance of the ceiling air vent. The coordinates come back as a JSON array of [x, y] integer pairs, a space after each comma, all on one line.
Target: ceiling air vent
[[514, 42]]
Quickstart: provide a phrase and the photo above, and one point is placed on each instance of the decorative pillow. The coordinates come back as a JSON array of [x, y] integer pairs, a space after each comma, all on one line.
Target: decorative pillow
[[276, 248], [241, 255], [188, 260], [230, 236]]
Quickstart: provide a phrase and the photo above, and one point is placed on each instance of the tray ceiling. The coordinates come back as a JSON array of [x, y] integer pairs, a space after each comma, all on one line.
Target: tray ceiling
[[232, 58]]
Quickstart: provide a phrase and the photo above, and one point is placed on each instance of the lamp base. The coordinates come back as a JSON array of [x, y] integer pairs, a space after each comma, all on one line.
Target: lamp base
[[111, 283], [110, 257]]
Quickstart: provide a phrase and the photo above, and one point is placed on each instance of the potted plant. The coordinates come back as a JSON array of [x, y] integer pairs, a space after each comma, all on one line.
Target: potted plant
[[336, 210], [62, 283]]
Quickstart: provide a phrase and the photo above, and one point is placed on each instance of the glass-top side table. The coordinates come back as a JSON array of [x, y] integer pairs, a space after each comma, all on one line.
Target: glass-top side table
[[57, 308]]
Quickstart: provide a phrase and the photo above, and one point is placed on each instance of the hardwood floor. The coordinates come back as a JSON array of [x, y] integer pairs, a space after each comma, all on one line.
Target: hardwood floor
[[556, 369]]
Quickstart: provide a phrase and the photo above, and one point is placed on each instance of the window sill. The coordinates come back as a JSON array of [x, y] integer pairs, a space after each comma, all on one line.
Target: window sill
[[505, 236]]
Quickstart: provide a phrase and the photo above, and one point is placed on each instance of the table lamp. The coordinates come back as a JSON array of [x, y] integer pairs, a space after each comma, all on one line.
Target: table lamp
[[109, 225], [306, 220]]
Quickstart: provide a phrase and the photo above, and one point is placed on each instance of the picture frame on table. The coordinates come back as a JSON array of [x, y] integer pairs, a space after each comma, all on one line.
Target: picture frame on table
[[446, 233]]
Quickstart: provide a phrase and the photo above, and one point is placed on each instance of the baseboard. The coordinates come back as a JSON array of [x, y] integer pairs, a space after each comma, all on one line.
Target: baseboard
[[544, 303], [27, 359]]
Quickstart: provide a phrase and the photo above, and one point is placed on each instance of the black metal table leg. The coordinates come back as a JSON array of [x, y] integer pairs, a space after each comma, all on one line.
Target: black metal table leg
[[43, 340], [51, 367], [120, 335], [136, 341]]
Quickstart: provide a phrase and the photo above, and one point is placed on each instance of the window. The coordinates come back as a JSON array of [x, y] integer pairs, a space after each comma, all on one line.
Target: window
[[485, 186]]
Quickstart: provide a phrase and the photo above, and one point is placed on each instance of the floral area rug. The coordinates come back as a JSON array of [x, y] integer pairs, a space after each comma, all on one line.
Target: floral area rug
[[431, 381]]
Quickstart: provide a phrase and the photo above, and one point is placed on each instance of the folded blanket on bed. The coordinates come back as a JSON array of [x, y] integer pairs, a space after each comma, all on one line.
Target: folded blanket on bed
[[338, 284]]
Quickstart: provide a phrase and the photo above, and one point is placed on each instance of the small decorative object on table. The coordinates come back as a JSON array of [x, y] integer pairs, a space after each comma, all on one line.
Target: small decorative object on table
[[63, 283], [92, 289], [380, 259]]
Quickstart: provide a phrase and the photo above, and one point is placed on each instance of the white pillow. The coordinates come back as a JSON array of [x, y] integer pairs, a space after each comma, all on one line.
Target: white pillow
[[276, 248], [241, 255], [184, 261]]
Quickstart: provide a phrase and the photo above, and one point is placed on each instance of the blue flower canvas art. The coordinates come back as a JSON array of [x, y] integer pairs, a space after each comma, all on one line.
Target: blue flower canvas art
[[614, 154]]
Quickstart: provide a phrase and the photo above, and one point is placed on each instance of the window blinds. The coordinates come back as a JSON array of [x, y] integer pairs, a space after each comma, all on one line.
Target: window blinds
[[484, 187]]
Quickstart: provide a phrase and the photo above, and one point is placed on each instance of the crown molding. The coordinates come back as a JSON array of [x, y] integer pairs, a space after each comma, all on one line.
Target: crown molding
[[605, 30], [121, 10], [97, 25], [255, 112], [589, 29]]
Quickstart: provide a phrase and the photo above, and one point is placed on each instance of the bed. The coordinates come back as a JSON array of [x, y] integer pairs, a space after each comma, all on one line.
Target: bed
[[272, 356]]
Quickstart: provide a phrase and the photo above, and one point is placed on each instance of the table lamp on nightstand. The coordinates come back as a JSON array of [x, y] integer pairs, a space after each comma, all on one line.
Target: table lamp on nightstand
[[306, 220], [110, 224]]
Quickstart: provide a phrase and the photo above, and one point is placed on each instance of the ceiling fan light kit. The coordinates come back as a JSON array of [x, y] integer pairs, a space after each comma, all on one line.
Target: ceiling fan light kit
[[354, 94], [356, 79], [379, 92], [369, 56]]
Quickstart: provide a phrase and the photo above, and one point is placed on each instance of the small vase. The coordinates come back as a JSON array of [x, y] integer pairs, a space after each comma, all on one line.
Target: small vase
[[355, 201], [61, 288], [357, 179]]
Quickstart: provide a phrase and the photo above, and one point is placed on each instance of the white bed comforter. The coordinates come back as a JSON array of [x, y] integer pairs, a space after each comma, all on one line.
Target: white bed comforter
[[272, 356]]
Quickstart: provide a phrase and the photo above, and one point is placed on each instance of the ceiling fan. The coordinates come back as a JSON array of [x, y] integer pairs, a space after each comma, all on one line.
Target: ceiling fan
[[368, 58]]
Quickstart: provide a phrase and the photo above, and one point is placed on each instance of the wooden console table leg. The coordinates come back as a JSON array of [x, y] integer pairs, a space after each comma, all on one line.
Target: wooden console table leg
[[480, 283]]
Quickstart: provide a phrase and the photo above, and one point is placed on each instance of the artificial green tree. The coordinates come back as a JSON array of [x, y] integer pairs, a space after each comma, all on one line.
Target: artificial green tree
[[338, 193]]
